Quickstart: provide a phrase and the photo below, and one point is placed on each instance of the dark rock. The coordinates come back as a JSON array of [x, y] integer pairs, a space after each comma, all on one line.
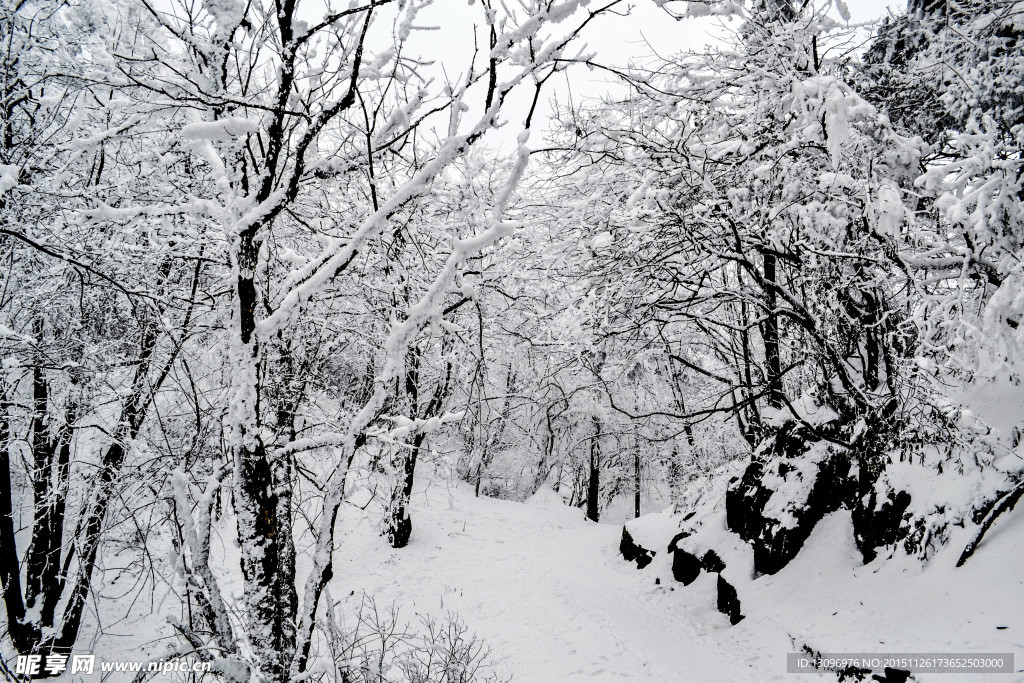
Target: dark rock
[[685, 566], [675, 540], [744, 500], [729, 601], [632, 552], [774, 544], [712, 562], [892, 676], [836, 478], [874, 525]]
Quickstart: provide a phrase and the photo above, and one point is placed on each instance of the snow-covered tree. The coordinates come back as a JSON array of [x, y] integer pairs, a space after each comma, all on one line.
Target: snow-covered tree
[[965, 58], [96, 307]]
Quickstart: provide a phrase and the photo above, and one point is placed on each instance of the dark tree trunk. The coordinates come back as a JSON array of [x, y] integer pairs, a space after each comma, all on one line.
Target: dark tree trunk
[[399, 528], [42, 460], [594, 482], [267, 562], [872, 342], [748, 418], [770, 335], [636, 484], [23, 636], [399, 524], [263, 505], [51, 454]]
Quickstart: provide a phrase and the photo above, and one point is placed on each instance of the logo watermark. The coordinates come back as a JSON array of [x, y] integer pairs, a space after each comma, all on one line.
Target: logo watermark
[[54, 664]]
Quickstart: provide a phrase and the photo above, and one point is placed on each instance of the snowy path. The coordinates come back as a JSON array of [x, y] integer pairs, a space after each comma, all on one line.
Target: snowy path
[[546, 589]]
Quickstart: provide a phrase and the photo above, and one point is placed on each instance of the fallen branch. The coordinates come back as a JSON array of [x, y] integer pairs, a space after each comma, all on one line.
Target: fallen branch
[[1006, 502]]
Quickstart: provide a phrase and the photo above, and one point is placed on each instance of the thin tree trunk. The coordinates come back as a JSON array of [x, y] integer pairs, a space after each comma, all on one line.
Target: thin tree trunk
[[636, 483], [751, 427], [872, 342], [770, 335], [594, 483], [399, 527]]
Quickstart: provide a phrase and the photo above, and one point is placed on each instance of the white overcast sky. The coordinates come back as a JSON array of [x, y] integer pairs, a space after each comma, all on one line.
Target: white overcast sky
[[614, 40]]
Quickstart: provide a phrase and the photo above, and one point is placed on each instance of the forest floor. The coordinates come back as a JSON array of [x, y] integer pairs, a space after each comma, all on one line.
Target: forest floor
[[550, 594]]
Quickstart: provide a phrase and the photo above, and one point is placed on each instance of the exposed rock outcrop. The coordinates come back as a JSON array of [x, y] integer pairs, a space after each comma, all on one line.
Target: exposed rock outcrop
[[729, 601], [793, 482], [633, 552]]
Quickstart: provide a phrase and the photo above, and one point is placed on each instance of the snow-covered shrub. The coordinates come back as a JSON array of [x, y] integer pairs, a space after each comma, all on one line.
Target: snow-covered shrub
[[375, 645]]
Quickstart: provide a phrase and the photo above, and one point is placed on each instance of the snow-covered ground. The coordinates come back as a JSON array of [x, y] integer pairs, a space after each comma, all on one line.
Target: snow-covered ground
[[550, 593], [546, 588]]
